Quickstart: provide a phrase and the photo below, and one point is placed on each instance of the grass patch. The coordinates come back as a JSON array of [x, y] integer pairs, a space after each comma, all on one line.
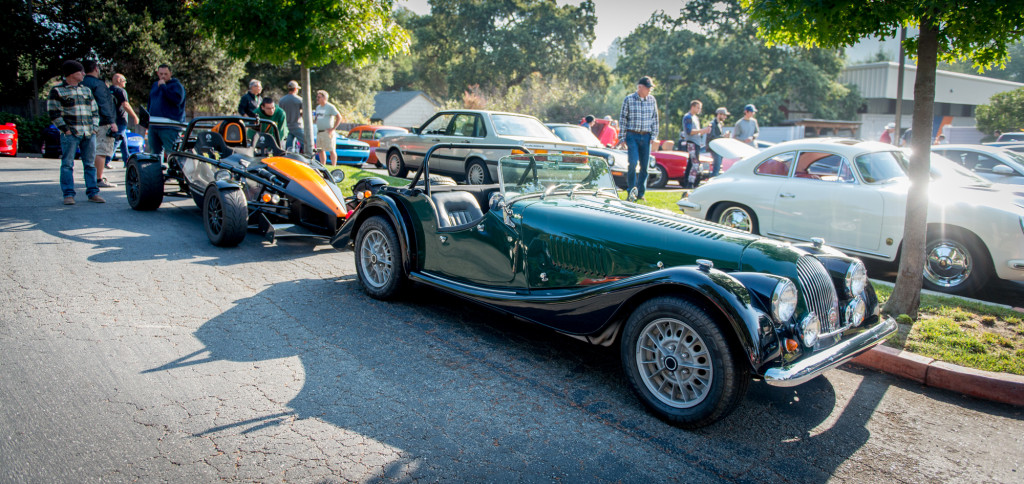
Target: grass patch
[[966, 333], [353, 174]]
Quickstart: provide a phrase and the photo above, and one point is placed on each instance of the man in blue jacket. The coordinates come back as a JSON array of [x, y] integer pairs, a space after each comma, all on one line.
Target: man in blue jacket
[[107, 131], [166, 100]]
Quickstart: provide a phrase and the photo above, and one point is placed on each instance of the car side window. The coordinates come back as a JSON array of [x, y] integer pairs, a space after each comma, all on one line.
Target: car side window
[[467, 125], [438, 125], [354, 134], [367, 135], [829, 167], [984, 164], [777, 165]]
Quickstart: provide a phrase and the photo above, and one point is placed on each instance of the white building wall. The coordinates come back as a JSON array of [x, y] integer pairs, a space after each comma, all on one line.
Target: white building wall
[[878, 80], [413, 114]]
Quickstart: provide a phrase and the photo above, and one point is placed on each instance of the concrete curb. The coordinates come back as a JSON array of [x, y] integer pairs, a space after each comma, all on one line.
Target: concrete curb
[[997, 387]]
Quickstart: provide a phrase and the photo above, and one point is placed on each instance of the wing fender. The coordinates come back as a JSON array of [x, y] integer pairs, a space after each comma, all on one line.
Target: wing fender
[[379, 205]]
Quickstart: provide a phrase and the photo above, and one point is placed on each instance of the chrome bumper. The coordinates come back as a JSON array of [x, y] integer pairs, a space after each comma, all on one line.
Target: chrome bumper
[[685, 205], [813, 365]]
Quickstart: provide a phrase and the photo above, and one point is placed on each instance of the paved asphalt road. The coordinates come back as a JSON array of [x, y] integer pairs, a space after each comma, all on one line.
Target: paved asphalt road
[[132, 349]]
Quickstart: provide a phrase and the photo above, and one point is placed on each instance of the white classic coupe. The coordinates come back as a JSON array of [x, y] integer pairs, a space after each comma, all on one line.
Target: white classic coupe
[[853, 195]]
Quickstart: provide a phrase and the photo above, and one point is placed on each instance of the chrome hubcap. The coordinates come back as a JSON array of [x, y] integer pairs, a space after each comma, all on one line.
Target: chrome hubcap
[[948, 264], [376, 259], [674, 363], [736, 218]]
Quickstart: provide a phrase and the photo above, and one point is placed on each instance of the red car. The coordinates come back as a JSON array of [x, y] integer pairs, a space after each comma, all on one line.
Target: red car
[[673, 166], [9, 139], [371, 135]]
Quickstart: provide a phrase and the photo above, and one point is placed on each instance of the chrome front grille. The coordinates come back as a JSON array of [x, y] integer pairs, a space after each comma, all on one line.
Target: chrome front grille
[[819, 292]]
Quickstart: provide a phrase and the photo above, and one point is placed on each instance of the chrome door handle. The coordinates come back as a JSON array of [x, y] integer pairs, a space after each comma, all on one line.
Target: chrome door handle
[[787, 195]]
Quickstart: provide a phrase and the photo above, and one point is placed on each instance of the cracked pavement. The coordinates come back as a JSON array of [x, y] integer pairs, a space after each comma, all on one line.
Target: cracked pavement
[[131, 349]]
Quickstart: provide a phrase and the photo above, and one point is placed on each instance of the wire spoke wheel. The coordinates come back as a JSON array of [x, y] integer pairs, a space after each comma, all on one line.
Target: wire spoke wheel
[[376, 258]]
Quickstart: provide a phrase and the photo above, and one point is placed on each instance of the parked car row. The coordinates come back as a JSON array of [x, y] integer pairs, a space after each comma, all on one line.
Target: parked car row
[[853, 194]]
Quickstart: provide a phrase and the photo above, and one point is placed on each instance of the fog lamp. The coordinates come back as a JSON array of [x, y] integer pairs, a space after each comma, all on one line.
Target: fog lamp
[[809, 329], [855, 311]]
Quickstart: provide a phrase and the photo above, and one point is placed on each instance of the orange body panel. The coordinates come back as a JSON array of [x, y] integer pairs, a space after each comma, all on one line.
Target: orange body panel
[[308, 178]]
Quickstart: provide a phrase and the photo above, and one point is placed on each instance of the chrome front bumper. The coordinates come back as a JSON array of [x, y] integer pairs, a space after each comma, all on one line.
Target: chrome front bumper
[[813, 365]]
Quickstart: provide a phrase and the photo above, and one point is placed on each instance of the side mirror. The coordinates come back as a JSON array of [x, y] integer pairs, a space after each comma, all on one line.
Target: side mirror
[[338, 176], [1003, 170]]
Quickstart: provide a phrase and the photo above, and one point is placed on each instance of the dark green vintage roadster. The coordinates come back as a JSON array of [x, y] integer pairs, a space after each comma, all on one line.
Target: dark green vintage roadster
[[698, 309]]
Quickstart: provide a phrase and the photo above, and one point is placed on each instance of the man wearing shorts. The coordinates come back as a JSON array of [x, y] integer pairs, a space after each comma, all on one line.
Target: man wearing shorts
[[326, 118]]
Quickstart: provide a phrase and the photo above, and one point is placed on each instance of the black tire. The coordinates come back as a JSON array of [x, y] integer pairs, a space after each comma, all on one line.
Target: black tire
[[737, 216], [225, 216], [956, 262], [379, 259], [477, 173], [660, 380], [396, 165], [661, 180], [144, 184]]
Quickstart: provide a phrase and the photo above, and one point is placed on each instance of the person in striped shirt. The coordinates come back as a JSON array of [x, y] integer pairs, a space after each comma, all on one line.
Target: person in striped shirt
[[638, 125], [74, 112]]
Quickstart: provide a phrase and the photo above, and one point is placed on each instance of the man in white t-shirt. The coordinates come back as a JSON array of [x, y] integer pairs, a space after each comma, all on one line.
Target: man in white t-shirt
[[326, 118]]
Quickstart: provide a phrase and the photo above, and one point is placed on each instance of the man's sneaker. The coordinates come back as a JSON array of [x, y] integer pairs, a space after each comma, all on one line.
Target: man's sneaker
[[109, 166], [103, 183], [69, 200], [96, 199]]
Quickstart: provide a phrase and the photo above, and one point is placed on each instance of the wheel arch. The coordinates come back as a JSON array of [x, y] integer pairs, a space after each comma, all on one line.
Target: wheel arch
[[399, 219], [710, 214], [740, 321]]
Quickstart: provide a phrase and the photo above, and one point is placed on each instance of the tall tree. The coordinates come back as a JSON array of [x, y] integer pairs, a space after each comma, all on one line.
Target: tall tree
[[975, 30], [312, 33]]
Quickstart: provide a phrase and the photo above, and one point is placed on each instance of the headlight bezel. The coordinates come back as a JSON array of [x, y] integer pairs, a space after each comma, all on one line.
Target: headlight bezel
[[856, 279], [810, 329], [785, 299]]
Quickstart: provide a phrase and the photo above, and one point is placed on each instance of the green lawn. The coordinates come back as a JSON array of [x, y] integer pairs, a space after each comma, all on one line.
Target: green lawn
[[949, 329]]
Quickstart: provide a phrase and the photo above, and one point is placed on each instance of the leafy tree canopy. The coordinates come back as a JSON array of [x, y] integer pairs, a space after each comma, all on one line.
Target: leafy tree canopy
[[1005, 112]]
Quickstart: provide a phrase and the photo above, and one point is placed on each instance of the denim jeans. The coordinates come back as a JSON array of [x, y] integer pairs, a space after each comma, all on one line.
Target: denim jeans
[[716, 165], [293, 136], [639, 148], [123, 139], [69, 144], [161, 139]]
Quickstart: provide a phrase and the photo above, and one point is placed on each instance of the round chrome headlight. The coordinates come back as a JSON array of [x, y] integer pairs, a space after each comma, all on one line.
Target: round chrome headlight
[[784, 300], [809, 329], [856, 279], [611, 160], [651, 162], [222, 175], [855, 311]]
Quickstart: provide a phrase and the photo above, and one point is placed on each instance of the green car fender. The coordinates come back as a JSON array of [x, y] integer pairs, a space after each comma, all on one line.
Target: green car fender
[[386, 206]]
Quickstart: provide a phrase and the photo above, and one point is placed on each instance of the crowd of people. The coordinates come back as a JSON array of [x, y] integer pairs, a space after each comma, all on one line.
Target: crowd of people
[[92, 116]]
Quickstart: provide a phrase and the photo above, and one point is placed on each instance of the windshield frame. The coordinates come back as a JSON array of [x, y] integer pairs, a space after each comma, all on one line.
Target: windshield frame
[[523, 176]]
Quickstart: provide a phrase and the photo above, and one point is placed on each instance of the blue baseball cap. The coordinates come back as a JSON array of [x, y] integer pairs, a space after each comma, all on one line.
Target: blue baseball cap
[[750, 107]]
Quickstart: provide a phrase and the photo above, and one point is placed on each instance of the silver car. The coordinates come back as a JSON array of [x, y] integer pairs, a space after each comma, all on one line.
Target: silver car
[[476, 166], [996, 164]]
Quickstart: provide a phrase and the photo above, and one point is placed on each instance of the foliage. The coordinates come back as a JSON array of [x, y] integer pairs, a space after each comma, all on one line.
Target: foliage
[[497, 45], [311, 32], [1005, 112], [727, 65], [30, 131], [1013, 70]]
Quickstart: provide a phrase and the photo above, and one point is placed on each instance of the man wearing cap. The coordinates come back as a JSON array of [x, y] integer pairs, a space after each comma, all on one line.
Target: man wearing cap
[[74, 112], [638, 122], [746, 129], [291, 103], [716, 132], [887, 133], [692, 134]]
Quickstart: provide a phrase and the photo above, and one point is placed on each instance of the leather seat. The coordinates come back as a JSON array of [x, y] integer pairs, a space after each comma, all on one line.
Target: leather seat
[[211, 145], [456, 208]]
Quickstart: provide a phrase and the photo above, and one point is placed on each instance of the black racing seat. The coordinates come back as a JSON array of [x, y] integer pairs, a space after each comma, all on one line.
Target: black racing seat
[[456, 208], [211, 145], [267, 145]]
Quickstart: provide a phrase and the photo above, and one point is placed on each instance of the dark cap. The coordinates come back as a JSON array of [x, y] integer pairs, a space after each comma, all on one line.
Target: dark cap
[[645, 81], [70, 67], [750, 107], [722, 111]]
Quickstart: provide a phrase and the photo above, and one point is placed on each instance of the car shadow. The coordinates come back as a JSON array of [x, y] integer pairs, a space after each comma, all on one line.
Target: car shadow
[[438, 377]]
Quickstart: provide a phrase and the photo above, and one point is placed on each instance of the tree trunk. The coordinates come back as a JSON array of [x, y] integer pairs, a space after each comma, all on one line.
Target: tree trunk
[[307, 112], [906, 296]]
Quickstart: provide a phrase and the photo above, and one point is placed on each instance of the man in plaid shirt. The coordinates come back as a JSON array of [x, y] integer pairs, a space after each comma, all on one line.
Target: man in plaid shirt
[[76, 115], [638, 124]]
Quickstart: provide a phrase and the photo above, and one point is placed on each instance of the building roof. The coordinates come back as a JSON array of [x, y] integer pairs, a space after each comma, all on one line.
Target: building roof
[[877, 80], [385, 103]]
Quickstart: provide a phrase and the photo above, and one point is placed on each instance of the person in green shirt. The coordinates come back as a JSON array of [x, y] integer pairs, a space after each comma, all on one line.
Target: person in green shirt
[[271, 111]]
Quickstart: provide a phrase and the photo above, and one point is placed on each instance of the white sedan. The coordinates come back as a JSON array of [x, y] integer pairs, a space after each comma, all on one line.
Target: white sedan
[[405, 152], [853, 194]]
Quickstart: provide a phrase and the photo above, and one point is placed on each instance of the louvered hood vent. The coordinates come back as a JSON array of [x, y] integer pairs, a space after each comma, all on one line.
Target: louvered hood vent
[[578, 256]]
